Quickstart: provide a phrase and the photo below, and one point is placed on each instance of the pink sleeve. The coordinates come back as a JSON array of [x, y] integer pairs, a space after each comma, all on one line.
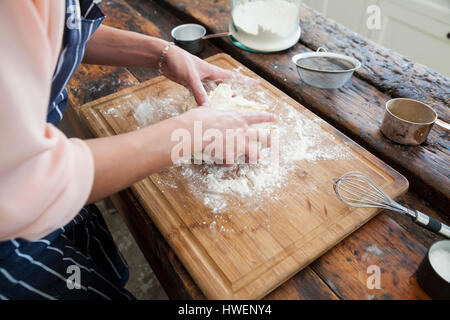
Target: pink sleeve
[[45, 178]]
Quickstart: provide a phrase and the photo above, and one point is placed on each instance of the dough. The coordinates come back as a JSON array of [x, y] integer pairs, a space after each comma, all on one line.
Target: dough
[[222, 99]]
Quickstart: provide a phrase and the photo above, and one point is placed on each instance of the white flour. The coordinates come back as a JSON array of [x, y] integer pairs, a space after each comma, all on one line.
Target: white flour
[[249, 186], [277, 17], [244, 186], [440, 260], [154, 110], [267, 25]]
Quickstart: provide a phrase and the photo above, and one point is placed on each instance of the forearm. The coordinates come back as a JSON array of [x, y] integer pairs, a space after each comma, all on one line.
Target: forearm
[[125, 159], [114, 47]]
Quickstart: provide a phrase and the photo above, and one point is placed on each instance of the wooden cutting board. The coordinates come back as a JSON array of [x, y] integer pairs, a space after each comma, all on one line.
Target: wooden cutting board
[[242, 253]]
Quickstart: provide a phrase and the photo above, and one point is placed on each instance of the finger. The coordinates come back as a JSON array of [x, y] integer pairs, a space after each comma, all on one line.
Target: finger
[[265, 138], [230, 156], [247, 80], [252, 134], [235, 146], [248, 147], [252, 152], [199, 92], [209, 85], [260, 135], [257, 117], [216, 73]]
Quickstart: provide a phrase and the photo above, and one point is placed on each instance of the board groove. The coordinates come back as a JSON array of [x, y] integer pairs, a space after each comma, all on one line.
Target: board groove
[[256, 260]]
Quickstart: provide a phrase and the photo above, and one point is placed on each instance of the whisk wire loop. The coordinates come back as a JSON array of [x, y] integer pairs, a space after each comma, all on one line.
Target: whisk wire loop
[[358, 190]]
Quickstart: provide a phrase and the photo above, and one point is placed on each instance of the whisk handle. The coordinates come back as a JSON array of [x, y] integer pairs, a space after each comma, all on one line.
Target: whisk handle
[[432, 224]]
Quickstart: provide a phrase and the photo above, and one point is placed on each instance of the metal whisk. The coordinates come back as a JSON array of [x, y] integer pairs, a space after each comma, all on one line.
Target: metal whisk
[[358, 190]]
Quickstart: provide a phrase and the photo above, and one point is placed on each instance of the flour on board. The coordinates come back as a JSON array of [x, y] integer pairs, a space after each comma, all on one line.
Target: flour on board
[[250, 186], [223, 98]]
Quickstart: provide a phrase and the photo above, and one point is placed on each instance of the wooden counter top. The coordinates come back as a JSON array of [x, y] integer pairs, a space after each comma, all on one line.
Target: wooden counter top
[[356, 110]]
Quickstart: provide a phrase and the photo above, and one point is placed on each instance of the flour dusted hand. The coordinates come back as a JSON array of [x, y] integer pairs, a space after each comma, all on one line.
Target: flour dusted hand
[[189, 71], [250, 126], [223, 98]]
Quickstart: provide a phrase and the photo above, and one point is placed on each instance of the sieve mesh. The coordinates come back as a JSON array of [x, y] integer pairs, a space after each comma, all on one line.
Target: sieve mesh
[[325, 64]]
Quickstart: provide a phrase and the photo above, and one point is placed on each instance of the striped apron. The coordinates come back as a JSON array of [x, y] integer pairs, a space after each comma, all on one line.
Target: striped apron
[[79, 260]]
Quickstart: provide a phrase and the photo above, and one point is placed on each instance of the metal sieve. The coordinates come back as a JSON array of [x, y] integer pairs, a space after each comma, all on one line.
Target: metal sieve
[[325, 70]]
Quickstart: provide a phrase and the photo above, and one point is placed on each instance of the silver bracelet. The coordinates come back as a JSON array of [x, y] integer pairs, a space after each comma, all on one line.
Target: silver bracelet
[[163, 55]]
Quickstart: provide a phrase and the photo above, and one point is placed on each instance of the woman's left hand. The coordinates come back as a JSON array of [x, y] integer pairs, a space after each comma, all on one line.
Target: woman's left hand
[[189, 71]]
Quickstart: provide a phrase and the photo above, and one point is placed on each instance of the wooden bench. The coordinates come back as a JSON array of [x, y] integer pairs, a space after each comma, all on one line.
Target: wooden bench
[[355, 109]]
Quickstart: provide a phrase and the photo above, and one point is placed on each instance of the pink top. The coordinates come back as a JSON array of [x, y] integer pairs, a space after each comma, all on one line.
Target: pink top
[[45, 178]]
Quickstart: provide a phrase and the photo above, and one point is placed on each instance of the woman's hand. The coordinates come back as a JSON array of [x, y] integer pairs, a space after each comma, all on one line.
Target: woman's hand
[[226, 135], [114, 47], [189, 71], [124, 159]]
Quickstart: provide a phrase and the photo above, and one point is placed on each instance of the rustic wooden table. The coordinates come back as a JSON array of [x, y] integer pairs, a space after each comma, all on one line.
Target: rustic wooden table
[[356, 109]]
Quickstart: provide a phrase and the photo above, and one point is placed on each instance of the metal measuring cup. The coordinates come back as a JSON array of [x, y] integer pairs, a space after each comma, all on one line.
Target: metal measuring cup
[[191, 37], [409, 121]]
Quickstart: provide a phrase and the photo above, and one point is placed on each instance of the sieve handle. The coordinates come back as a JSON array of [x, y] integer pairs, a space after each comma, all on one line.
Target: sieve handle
[[432, 224]]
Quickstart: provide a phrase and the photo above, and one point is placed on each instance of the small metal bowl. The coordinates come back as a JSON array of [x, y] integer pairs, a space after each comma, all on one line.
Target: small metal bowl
[[325, 70], [189, 37], [433, 274], [408, 121]]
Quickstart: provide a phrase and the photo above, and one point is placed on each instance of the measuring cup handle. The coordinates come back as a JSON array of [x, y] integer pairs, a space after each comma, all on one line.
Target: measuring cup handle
[[432, 224], [216, 35], [443, 124]]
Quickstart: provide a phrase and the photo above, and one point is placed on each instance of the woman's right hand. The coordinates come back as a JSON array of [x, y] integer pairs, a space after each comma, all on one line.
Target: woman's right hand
[[226, 135], [124, 159]]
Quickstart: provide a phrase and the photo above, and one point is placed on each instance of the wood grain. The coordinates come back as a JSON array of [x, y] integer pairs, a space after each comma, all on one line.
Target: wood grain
[[357, 108], [387, 70], [258, 258], [381, 244], [170, 271], [91, 82]]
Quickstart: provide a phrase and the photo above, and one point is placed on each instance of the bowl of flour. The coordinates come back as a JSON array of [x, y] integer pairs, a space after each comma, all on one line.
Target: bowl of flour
[[433, 274], [266, 25]]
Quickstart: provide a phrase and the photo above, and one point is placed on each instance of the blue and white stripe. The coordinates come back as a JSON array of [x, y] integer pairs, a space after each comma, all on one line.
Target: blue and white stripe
[[38, 269], [81, 23]]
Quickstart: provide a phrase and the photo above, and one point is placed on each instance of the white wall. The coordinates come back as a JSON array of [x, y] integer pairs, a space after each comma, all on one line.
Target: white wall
[[416, 28]]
